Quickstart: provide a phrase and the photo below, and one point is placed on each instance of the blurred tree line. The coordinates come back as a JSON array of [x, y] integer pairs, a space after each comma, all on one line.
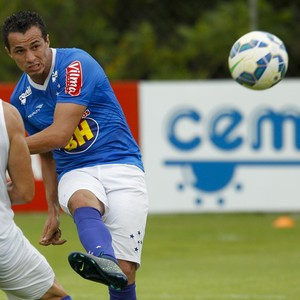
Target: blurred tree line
[[158, 39]]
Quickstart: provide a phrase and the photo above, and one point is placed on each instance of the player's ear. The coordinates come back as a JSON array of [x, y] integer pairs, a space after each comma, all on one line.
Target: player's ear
[[48, 40], [8, 52]]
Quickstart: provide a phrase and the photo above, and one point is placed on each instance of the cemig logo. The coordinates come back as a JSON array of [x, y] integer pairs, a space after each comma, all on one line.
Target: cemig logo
[[74, 78], [231, 139]]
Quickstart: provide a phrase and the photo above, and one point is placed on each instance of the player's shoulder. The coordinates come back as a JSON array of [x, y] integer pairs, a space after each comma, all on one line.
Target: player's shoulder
[[13, 121], [72, 57], [10, 110], [71, 54], [21, 90], [12, 116]]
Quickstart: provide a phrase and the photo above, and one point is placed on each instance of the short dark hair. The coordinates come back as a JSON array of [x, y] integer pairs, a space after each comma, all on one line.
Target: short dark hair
[[21, 22]]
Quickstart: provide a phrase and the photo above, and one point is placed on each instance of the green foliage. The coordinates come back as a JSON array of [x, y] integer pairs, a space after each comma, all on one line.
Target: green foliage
[[155, 39]]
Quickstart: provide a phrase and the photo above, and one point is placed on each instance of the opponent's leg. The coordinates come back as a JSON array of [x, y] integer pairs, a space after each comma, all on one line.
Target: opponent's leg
[[28, 274], [56, 292]]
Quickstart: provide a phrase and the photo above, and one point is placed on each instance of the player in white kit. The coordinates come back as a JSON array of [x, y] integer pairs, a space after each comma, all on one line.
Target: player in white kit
[[24, 272]]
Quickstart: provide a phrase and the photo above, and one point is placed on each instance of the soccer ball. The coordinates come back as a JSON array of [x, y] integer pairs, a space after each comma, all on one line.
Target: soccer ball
[[258, 60]]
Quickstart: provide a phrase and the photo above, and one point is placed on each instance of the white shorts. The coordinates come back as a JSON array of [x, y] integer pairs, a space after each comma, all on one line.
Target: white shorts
[[122, 189], [24, 272]]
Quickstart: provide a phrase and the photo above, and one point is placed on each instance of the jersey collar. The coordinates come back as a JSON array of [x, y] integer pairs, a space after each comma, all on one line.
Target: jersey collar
[[43, 87]]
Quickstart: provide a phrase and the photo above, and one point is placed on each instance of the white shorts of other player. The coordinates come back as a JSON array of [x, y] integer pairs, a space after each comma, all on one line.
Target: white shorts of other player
[[24, 272], [122, 189]]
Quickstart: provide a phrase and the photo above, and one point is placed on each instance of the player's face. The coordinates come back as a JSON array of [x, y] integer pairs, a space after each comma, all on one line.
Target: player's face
[[31, 53]]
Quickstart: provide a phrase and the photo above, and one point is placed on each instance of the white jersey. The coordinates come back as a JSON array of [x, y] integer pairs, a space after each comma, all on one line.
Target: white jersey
[[24, 272], [6, 213]]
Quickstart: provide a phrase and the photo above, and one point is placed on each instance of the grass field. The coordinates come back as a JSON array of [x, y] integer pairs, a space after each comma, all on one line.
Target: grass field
[[197, 256]]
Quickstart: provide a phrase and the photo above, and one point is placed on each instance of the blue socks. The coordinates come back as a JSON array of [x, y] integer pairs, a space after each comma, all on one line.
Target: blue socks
[[96, 239], [93, 234], [128, 293], [66, 298]]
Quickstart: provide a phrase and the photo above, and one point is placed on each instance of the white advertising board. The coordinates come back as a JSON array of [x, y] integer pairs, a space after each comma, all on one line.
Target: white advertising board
[[215, 146]]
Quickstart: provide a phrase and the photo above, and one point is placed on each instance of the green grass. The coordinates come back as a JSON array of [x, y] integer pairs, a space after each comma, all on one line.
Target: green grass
[[196, 256]]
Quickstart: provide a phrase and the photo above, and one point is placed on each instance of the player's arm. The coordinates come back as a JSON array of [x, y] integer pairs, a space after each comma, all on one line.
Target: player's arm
[[51, 233], [59, 133], [21, 188]]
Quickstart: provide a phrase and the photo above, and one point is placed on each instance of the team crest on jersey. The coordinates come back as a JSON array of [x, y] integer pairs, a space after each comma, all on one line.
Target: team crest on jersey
[[54, 76], [74, 78]]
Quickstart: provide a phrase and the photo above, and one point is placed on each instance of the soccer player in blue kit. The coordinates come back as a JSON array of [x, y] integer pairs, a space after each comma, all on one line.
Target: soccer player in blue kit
[[91, 164]]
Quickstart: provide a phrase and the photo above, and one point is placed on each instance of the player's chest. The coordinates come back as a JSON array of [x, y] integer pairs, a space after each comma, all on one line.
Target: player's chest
[[39, 109]]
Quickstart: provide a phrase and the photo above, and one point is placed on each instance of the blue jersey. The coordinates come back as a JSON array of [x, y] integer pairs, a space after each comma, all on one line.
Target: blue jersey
[[102, 136]]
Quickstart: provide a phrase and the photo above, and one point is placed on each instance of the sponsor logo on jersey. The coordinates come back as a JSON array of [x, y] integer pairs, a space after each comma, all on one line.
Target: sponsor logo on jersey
[[36, 111], [73, 78], [24, 95], [84, 136]]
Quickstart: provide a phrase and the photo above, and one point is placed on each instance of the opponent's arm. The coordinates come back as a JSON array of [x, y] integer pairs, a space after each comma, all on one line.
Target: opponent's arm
[[51, 233], [59, 133], [21, 188]]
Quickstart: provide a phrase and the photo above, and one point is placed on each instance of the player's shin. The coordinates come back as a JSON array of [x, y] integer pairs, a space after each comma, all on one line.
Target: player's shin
[[93, 234]]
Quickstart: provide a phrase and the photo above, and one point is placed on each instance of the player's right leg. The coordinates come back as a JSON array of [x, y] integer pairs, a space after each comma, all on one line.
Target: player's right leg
[[79, 194], [99, 269]]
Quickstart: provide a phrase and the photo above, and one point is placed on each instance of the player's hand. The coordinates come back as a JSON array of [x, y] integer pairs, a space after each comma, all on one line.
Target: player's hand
[[51, 234], [53, 240]]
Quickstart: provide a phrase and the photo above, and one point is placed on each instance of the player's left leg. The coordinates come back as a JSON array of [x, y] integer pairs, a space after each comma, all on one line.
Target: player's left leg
[[126, 220], [128, 293]]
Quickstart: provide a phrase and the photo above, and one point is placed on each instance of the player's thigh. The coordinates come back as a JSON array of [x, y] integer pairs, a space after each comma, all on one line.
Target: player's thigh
[[75, 181]]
